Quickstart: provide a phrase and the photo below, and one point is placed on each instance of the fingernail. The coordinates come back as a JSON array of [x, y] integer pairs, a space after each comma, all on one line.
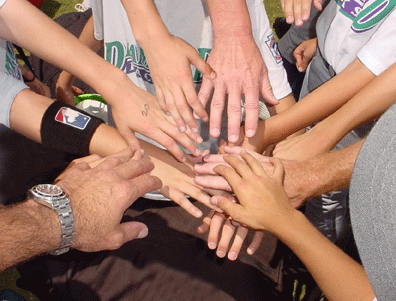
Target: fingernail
[[212, 245], [251, 251], [198, 213], [213, 200], [289, 19], [199, 140], [213, 75], [305, 17], [195, 130], [183, 159], [233, 138], [205, 119], [221, 254], [232, 256], [250, 133], [207, 157], [299, 22], [182, 129], [143, 233], [215, 132]]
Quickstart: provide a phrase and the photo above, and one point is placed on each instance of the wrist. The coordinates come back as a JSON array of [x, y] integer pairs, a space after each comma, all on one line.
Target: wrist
[[46, 227]]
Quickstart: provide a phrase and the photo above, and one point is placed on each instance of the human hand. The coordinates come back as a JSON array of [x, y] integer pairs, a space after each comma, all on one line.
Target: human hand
[[264, 204], [304, 53], [178, 180], [149, 120], [302, 147], [39, 87], [296, 174], [100, 195], [171, 72], [216, 222], [237, 74], [64, 90], [298, 11]]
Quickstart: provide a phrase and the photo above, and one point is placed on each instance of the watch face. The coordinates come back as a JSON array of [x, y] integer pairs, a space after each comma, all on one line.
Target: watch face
[[49, 190]]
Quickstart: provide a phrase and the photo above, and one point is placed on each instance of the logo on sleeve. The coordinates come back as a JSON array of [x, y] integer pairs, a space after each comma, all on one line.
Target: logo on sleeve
[[72, 118]]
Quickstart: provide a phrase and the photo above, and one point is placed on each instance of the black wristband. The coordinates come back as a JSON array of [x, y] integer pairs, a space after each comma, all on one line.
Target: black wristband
[[68, 129]]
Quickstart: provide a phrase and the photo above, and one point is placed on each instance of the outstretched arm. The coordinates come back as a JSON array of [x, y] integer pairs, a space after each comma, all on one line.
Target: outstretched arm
[[169, 59], [264, 205], [316, 106], [237, 74], [59, 47]]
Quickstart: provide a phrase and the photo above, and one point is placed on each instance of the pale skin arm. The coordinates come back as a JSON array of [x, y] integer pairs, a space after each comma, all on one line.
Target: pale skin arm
[[369, 103], [114, 184], [264, 205], [316, 106], [169, 59], [237, 74], [59, 47]]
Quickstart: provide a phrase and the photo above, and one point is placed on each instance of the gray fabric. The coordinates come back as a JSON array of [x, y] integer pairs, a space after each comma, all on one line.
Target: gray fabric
[[9, 88], [373, 205], [296, 35]]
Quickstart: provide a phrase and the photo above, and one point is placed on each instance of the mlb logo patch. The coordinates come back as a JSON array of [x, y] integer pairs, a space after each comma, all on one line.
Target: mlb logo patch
[[72, 118]]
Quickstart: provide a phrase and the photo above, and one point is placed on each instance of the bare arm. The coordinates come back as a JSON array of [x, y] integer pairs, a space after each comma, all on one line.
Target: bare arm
[[169, 59], [303, 180], [29, 229], [316, 106], [264, 205], [236, 73], [59, 47]]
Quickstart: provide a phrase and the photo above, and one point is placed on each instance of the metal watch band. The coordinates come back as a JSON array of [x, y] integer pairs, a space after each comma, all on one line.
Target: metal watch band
[[62, 207], [54, 197]]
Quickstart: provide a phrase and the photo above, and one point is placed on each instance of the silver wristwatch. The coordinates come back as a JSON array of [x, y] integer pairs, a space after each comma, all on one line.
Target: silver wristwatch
[[55, 198]]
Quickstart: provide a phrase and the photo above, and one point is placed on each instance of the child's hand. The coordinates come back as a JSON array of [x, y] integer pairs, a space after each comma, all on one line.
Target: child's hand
[[228, 242], [304, 53], [170, 59], [299, 11], [264, 204]]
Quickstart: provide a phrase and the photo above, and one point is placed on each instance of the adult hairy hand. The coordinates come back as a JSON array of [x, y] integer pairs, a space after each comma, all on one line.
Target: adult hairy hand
[[100, 195], [298, 11], [171, 72], [240, 71], [295, 179], [232, 235]]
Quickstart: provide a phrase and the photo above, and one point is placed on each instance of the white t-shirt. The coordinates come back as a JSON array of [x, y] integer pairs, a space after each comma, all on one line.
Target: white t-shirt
[[363, 29], [2, 2], [190, 21]]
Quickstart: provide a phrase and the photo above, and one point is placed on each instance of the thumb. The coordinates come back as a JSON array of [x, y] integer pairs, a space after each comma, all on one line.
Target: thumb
[[133, 230], [202, 66], [266, 92], [228, 206], [130, 138]]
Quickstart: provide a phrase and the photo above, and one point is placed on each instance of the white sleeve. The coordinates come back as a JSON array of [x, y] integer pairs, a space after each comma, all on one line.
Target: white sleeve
[[97, 13], [9, 88], [2, 2], [380, 51], [375, 299]]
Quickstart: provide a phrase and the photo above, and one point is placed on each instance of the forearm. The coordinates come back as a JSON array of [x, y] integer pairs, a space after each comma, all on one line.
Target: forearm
[[316, 106], [225, 24], [26, 113], [373, 100], [87, 38], [71, 55], [338, 276], [321, 174], [28, 229], [146, 23]]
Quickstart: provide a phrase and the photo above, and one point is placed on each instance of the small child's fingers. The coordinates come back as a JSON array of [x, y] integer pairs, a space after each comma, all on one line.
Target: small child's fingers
[[257, 238], [238, 242]]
